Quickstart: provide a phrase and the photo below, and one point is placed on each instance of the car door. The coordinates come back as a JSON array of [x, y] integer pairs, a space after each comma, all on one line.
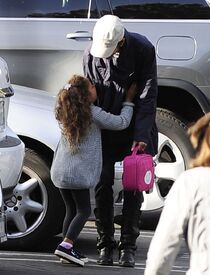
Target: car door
[[34, 40]]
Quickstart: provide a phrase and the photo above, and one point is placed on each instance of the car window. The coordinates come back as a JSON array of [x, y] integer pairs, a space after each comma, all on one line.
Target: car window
[[165, 9], [99, 8], [43, 8]]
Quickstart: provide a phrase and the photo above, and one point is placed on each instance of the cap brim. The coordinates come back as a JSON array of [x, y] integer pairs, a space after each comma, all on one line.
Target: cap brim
[[98, 49]]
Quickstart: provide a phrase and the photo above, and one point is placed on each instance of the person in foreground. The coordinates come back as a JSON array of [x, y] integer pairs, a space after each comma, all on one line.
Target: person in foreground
[[186, 212], [77, 160], [116, 59]]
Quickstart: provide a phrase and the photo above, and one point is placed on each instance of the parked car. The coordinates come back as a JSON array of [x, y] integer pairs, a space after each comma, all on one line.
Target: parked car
[[43, 43], [12, 152]]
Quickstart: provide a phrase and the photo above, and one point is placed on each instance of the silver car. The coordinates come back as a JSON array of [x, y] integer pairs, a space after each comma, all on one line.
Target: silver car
[[12, 152], [43, 44]]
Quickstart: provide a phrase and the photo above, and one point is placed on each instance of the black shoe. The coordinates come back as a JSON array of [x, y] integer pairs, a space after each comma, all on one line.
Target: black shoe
[[81, 256], [126, 257], [69, 255], [105, 256]]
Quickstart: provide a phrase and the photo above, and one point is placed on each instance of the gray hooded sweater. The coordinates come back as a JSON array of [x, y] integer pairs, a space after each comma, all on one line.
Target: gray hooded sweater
[[81, 170]]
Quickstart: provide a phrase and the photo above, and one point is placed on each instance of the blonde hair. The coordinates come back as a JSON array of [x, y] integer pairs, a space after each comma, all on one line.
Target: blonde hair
[[199, 135]]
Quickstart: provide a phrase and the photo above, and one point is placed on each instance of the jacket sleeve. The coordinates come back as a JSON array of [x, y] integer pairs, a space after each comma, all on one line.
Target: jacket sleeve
[[169, 232], [109, 121], [146, 99], [88, 64]]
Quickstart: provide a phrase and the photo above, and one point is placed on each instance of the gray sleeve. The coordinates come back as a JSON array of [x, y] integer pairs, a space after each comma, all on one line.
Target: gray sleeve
[[113, 122]]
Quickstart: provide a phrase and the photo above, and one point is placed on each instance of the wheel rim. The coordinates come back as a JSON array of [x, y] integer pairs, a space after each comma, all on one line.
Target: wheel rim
[[169, 165], [26, 209]]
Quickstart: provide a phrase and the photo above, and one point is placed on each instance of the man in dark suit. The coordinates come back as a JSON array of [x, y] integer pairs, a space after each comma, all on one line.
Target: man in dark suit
[[115, 60]]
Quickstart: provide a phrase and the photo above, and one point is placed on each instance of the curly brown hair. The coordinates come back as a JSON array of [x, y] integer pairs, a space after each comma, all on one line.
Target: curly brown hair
[[200, 138], [73, 110]]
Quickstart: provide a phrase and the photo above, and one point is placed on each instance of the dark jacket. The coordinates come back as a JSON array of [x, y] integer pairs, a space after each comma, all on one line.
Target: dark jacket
[[113, 76]]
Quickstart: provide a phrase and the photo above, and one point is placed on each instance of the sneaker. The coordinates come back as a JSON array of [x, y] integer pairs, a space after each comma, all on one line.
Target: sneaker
[[81, 256], [69, 255]]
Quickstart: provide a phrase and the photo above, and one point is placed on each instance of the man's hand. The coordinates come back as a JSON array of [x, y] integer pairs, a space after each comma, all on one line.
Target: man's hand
[[140, 145], [131, 92]]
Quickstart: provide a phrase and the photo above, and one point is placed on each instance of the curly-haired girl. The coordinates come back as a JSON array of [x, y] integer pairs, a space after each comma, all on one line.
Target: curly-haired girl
[[77, 160]]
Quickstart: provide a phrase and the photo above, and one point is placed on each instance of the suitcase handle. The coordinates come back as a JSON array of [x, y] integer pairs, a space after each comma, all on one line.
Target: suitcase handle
[[135, 150]]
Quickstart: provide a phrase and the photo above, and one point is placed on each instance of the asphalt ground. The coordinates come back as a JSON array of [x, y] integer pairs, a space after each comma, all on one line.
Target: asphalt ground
[[44, 262]]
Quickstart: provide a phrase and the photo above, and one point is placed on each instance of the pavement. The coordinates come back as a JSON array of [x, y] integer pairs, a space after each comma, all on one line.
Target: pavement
[[44, 262]]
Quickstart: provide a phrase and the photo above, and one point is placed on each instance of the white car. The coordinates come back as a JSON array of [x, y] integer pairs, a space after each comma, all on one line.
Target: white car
[[12, 152]]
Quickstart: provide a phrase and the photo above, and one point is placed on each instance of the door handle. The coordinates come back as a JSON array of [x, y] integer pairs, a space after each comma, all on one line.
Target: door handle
[[79, 36]]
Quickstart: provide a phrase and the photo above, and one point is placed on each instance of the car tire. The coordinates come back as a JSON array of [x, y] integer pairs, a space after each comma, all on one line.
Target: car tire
[[35, 212], [174, 152]]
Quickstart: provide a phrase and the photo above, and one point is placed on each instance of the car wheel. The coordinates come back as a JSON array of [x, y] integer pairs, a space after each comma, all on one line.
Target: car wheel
[[174, 153], [35, 211]]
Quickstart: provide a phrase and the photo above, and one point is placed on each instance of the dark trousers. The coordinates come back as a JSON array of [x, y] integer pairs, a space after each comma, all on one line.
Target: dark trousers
[[78, 209], [104, 210]]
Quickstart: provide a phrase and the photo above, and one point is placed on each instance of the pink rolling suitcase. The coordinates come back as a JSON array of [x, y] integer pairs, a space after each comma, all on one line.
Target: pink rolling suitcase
[[138, 172]]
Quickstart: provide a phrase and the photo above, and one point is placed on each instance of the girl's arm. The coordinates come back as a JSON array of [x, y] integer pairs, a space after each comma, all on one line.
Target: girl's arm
[[113, 122]]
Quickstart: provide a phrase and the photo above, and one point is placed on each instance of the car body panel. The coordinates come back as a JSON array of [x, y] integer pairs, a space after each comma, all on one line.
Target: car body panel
[[11, 160], [40, 56], [12, 149], [40, 124]]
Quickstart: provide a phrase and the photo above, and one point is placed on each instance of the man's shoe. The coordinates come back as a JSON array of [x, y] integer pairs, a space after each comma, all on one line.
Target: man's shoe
[[126, 257], [69, 255], [105, 256]]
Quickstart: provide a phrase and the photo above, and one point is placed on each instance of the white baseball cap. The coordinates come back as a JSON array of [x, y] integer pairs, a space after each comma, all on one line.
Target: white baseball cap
[[107, 33]]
